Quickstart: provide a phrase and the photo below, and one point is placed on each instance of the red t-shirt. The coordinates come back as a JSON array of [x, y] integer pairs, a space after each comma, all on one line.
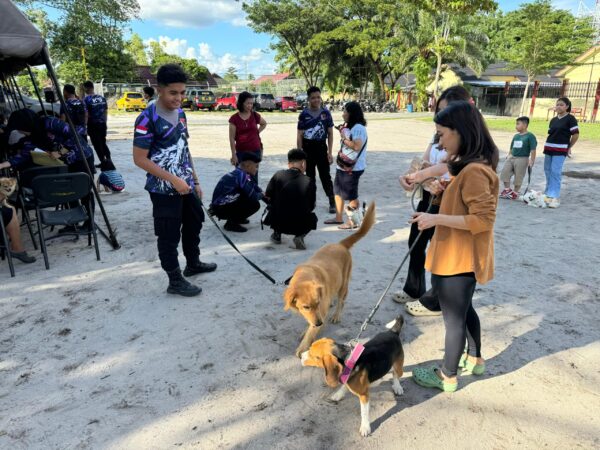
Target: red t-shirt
[[246, 132]]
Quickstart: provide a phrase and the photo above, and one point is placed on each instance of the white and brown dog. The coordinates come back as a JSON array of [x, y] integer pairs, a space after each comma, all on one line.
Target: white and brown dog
[[357, 369]]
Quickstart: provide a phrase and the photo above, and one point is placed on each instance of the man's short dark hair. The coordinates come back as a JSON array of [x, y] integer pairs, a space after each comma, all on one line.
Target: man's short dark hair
[[311, 90], [149, 91], [171, 73], [296, 155], [523, 119], [69, 89], [88, 85]]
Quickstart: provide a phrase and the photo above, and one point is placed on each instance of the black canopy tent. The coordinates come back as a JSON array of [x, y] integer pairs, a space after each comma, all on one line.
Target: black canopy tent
[[21, 47]]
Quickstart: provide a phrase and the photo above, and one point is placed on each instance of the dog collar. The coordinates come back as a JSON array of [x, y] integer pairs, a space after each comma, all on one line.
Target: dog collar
[[351, 362]]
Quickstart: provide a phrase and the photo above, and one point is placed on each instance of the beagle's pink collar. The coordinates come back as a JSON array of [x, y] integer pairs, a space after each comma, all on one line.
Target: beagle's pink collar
[[351, 362]]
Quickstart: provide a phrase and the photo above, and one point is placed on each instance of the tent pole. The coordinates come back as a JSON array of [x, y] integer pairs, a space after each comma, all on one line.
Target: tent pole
[[37, 91], [18, 90], [112, 238], [10, 91]]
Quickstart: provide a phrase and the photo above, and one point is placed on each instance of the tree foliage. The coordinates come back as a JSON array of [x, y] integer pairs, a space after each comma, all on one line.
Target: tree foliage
[[538, 37], [137, 50]]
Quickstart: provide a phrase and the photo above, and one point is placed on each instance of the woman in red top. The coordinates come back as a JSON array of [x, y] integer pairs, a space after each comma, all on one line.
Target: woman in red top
[[245, 127]]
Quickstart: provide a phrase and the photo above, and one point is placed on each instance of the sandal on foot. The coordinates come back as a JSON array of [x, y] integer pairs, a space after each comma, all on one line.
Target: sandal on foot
[[427, 377], [333, 222], [347, 226], [470, 367], [402, 297], [417, 308]]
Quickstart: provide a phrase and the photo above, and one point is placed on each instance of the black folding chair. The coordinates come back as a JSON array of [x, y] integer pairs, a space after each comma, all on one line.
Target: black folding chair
[[5, 247], [25, 193], [53, 190]]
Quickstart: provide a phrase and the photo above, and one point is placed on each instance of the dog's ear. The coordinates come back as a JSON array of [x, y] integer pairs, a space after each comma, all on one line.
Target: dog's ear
[[289, 298], [318, 290], [333, 369]]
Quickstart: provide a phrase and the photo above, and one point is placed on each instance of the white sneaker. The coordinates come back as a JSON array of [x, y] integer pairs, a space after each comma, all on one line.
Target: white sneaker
[[402, 297], [554, 203]]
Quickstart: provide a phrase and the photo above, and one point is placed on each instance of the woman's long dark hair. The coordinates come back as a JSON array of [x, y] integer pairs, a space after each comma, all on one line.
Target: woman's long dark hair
[[476, 143], [26, 120], [355, 114]]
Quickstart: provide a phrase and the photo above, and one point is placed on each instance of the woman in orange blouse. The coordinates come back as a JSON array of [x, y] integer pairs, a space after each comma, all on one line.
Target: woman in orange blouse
[[461, 253]]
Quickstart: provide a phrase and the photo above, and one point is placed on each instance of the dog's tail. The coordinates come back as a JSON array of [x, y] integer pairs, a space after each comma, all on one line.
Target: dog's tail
[[396, 325], [365, 226]]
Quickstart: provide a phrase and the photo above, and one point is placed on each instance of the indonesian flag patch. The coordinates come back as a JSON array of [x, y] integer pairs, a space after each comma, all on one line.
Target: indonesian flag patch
[[141, 129]]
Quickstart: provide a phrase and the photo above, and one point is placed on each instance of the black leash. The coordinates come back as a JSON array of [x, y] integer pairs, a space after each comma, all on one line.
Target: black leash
[[378, 304], [230, 242]]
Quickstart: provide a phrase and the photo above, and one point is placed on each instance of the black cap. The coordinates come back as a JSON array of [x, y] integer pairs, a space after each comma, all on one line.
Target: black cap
[[249, 156]]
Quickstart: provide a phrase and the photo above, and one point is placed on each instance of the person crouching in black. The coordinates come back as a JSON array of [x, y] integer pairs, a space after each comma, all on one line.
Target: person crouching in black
[[236, 196], [292, 196]]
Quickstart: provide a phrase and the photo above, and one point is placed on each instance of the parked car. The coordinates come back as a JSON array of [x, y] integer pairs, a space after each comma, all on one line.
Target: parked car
[[264, 102], [131, 101], [302, 100], [196, 98], [7, 104], [227, 101], [286, 104]]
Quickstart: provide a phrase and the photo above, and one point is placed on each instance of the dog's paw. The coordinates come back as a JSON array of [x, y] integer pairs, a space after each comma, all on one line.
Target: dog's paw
[[365, 430], [397, 388], [301, 349], [334, 319]]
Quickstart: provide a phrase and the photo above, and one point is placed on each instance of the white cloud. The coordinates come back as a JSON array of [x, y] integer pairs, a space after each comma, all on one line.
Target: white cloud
[[192, 13], [256, 61]]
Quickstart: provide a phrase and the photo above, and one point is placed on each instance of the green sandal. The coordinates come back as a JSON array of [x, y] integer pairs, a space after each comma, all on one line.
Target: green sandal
[[469, 367], [427, 377]]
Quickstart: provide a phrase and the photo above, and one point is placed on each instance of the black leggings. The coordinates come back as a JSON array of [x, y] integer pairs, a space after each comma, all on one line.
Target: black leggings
[[455, 293]]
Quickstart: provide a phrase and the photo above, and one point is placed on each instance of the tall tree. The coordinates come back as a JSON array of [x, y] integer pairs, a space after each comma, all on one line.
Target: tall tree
[[90, 34], [136, 48], [231, 75], [293, 23], [540, 38]]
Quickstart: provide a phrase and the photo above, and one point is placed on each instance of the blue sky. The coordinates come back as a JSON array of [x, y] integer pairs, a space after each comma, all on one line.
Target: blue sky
[[216, 33]]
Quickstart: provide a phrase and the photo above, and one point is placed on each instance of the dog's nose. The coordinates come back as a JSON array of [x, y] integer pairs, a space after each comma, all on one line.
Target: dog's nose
[[319, 323]]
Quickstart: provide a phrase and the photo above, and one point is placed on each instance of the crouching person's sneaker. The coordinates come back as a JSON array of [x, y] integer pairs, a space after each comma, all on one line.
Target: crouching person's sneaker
[[299, 242], [198, 267], [276, 237], [235, 227], [180, 286]]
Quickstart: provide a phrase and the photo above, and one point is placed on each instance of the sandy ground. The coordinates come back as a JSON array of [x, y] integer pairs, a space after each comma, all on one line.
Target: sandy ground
[[97, 355]]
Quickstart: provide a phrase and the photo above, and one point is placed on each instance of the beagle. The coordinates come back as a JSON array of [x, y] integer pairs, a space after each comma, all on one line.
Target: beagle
[[324, 276], [378, 356]]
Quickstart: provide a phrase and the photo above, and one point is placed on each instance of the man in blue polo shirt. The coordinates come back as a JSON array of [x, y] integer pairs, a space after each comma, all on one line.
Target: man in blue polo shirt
[[160, 147], [315, 137], [75, 107], [97, 121]]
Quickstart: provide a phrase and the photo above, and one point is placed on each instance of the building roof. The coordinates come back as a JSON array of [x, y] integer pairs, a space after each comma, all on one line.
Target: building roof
[[276, 78], [580, 59]]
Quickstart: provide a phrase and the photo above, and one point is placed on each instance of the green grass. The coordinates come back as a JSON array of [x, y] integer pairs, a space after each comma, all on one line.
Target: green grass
[[539, 127]]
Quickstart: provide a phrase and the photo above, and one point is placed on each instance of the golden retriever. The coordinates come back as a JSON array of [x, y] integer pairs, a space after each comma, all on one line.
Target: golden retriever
[[324, 276]]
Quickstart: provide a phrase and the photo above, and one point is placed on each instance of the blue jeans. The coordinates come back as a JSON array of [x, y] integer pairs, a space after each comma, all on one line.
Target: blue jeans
[[553, 169]]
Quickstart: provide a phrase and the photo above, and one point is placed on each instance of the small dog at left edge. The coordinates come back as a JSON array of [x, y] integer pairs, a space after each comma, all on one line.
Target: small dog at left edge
[[382, 353]]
